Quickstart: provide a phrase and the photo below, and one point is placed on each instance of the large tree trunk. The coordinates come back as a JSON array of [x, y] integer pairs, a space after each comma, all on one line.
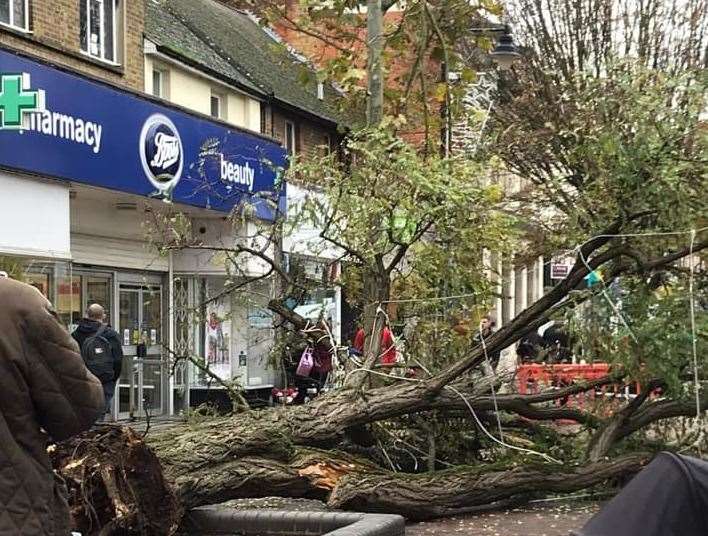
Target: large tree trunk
[[469, 489], [118, 482], [122, 484]]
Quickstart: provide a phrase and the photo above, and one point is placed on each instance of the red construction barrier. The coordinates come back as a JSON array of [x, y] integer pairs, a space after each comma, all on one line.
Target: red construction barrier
[[531, 377], [534, 378]]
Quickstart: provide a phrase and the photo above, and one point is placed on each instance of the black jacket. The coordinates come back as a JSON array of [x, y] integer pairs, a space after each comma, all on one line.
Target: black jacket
[[530, 346], [88, 327]]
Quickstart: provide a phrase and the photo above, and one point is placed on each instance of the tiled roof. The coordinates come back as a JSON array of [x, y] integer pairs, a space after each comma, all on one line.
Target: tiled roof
[[232, 45], [165, 29]]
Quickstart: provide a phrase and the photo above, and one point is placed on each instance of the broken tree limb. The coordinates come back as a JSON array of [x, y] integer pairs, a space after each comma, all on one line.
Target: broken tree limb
[[117, 484], [459, 490], [118, 478]]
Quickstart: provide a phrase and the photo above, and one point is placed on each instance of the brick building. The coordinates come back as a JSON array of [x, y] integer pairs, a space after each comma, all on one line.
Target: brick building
[[301, 114], [52, 30], [117, 100]]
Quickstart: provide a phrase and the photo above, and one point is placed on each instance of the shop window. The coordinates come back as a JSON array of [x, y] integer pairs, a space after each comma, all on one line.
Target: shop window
[[54, 280], [15, 14], [290, 139], [39, 281], [101, 26], [98, 290], [68, 301]]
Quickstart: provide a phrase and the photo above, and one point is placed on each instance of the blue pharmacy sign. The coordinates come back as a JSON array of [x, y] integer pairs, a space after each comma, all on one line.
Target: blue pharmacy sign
[[61, 125]]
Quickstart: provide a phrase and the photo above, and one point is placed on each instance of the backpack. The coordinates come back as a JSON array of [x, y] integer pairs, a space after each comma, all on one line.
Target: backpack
[[98, 356]]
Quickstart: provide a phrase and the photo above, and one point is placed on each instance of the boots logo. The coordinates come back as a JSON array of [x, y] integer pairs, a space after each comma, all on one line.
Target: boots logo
[[167, 151], [161, 154]]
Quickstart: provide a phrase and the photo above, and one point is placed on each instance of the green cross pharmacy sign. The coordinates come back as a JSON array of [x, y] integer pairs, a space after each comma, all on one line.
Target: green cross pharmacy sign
[[17, 98]]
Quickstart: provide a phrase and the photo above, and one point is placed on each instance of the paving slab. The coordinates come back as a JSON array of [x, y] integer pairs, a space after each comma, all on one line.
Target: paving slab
[[542, 519]]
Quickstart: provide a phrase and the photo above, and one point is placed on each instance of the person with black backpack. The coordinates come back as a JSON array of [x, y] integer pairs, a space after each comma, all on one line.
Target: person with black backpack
[[101, 349]]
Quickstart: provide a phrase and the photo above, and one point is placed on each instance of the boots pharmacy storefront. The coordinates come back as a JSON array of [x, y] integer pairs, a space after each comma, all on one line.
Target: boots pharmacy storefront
[[83, 167]]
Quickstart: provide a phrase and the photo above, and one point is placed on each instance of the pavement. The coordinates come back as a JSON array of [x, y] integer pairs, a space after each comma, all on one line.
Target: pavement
[[555, 518], [541, 519]]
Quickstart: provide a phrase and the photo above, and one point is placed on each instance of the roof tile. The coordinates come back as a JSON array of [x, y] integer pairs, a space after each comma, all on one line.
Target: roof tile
[[232, 44]]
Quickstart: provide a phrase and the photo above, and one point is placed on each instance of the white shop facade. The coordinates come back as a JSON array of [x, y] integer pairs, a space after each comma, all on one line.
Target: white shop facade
[[85, 170]]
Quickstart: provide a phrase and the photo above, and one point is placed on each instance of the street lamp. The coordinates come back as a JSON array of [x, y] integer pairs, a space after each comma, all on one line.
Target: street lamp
[[506, 52]]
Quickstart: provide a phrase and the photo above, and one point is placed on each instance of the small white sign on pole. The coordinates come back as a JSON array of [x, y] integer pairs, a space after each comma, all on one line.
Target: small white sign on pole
[[560, 270]]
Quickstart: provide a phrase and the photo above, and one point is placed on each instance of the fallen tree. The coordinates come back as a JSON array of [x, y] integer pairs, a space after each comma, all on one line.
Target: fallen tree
[[122, 483], [620, 179]]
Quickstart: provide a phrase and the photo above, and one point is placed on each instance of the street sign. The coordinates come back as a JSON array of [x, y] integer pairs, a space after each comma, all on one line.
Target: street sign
[[560, 270]]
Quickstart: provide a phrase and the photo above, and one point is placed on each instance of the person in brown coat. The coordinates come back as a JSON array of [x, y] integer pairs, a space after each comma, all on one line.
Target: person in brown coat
[[45, 392]]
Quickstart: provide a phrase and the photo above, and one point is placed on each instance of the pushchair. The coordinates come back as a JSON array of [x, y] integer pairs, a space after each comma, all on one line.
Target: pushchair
[[669, 497]]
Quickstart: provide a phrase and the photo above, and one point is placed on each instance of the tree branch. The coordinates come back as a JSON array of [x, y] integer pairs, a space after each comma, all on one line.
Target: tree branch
[[535, 315]]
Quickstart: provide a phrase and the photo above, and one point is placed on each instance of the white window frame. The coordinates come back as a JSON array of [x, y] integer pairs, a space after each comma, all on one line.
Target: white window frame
[[293, 150], [220, 97], [11, 23], [164, 82], [86, 46]]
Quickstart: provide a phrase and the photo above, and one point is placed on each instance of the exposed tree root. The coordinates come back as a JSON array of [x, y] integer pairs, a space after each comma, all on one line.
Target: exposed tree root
[[116, 484]]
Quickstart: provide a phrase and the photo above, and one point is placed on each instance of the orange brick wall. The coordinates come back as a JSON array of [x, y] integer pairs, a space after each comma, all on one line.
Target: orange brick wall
[[309, 134], [398, 67], [55, 37]]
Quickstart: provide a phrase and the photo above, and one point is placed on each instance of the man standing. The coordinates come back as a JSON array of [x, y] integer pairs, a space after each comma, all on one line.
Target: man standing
[[486, 330], [44, 389], [101, 349]]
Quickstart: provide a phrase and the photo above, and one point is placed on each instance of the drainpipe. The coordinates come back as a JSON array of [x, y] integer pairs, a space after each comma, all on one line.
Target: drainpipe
[[170, 330]]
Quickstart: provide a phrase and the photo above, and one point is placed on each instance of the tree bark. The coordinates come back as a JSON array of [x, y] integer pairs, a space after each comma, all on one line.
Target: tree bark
[[460, 490], [119, 484]]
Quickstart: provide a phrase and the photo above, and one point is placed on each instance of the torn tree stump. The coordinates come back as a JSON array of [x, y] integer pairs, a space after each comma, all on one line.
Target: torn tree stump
[[116, 484]]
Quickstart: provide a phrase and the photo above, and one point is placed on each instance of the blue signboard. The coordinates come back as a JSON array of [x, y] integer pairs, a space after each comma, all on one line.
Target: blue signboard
[[61, 125]]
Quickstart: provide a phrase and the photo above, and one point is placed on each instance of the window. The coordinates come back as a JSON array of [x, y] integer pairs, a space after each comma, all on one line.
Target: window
[[215, 106], [264, 118], [218, 105], [290, 137], [100, 28], [14, 13], [160, 83]]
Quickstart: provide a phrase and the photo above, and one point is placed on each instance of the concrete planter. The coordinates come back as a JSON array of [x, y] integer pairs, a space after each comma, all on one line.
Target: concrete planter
[[210, 521]]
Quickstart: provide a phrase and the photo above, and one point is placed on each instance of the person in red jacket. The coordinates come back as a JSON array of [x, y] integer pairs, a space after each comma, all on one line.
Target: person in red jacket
[[388, 346], [359, 339]]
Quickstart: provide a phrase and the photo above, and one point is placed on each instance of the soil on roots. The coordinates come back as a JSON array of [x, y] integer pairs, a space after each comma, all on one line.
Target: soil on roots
[[115, 483]]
